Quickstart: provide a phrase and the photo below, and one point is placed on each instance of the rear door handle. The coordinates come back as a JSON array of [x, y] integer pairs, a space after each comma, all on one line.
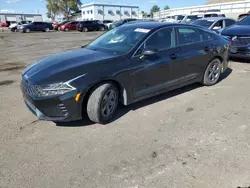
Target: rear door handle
[[173, 56]]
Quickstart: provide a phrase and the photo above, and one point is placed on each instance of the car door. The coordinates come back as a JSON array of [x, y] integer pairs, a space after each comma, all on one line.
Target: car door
[[88, 25], [32, 26], [38, 26], [195, 53], [155, 72]]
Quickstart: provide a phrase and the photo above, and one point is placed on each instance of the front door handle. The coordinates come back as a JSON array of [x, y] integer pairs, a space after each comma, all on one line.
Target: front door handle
[[173, 56]]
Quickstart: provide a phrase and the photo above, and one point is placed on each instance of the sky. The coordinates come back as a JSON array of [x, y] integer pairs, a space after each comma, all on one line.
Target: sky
[[39, 6]]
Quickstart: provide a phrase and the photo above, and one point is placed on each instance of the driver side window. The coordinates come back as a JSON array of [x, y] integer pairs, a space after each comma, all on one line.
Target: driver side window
[[162, 39]]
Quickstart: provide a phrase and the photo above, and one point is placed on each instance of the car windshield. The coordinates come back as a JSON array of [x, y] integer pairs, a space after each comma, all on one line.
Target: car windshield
[[203, 23], [119, 40], [244, 21]]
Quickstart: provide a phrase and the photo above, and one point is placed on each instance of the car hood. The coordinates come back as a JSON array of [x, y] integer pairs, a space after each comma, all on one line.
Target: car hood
[[64, 66], [237, 30]]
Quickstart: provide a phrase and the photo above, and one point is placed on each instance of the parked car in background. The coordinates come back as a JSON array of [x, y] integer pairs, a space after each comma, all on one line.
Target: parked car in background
[[201, 14], [216, 24], [13, 26], [69, 26], [174, 18], [239, 37], [121, 22], [35, 26], [106, 23], [4, 24], [125, 65], [56, 26], [85, 26]]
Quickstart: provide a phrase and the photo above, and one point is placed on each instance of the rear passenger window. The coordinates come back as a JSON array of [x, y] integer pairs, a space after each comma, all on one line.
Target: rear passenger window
[[206, 36], [162, 39], [188, 36], [229, 22]]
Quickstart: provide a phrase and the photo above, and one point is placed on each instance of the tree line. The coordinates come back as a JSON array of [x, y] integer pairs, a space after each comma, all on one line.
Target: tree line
[[71, 7], [64, 7]]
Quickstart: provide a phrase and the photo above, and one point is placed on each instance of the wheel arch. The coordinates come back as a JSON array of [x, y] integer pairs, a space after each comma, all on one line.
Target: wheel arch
[[123, 95]]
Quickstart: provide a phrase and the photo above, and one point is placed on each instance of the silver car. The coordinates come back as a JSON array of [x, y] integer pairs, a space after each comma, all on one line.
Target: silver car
[[216, 24]]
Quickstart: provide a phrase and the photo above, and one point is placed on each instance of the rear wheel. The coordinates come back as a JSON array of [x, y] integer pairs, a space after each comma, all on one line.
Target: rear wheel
[[212, 73], [66, 29], [47, 29], [85, 29], [102, 103]]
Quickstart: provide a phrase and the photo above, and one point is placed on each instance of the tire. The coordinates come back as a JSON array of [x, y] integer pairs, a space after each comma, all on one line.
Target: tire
[[27, 30], [99, 107], [212, 73], [66, 29], [47, 29], [85, 29], [102, 28]]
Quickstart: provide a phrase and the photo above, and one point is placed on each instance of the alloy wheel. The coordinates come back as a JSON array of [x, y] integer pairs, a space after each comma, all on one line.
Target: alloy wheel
[[109, 103], [213, 72]]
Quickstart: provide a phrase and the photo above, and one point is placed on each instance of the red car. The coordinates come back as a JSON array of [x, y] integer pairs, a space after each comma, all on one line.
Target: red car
[[58, 25], [4, 24], [68, 26]]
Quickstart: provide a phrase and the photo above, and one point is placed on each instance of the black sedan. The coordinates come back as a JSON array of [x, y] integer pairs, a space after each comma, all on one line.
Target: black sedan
[[90, 26], [35, 26], [239, 36], [125, 65]]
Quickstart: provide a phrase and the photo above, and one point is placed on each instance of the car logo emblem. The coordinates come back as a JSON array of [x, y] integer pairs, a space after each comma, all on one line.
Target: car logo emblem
[[234, 38]]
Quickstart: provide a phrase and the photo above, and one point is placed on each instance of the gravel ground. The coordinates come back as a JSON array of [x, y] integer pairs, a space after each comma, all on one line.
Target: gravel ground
[[192, 137]]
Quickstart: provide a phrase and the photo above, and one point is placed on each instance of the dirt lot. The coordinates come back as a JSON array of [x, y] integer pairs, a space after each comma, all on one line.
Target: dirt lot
[[193, 137]]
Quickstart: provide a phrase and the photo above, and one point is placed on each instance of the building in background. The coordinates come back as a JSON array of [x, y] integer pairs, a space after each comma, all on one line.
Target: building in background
[[16, 17], [108, 11], [230, 9]]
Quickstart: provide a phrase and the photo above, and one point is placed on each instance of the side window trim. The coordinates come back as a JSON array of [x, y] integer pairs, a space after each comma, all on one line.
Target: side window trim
[[143, 43]]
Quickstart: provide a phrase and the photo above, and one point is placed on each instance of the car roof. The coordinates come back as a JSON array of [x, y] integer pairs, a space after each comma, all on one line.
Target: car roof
[[153, 24]]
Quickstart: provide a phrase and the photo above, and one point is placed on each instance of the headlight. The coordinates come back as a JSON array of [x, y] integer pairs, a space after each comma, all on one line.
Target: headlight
[[20, 27], [54, 89]]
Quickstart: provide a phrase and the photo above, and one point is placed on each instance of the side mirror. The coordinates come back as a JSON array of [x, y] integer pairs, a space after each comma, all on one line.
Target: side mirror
[[149, 52], [83, 46], [216, 27]]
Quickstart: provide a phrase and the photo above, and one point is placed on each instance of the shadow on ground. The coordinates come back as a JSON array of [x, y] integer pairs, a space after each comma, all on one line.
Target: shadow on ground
[[122, 110]]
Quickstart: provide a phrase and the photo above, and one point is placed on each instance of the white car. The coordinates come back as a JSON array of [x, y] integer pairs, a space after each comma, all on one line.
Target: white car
[[12, 25]]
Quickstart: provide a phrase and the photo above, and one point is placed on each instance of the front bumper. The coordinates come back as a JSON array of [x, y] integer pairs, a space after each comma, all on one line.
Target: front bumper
[[60, 108], [239, 52]]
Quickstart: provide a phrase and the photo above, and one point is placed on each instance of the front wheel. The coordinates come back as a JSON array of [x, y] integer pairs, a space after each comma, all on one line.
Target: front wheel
[[47, 29], [212, 73], [102, 28], [27, 30], [66, 29], [102, 103]]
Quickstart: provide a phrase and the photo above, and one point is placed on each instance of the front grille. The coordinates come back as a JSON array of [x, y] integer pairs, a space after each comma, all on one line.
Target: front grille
[[240, 41], [29, 88]]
